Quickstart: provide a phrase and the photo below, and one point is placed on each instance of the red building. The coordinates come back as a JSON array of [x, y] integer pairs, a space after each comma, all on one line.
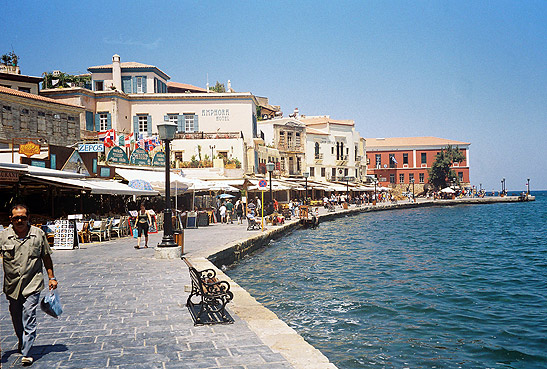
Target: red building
[[396, 161]]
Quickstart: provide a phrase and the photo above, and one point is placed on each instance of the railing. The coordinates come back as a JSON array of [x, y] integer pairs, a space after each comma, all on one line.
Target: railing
[[204, 135]]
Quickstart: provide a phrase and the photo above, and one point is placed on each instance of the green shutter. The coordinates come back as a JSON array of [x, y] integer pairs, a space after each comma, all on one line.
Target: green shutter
[[97, 122], [144, 84], [89, 123], [180, 123], [126, 84], [196, 125], [134, 85], [136, 126], [108, 121], [166, 118], [149, 125]]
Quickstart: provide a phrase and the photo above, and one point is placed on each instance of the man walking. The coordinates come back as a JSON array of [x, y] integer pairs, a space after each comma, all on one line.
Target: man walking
[[229, 210], [25, 251]]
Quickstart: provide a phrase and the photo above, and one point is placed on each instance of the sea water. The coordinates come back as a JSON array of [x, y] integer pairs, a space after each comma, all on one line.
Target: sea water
[[441, 287]]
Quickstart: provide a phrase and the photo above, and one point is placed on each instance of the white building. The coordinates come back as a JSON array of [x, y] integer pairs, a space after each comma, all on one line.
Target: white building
[[334, 149], [132, 98]]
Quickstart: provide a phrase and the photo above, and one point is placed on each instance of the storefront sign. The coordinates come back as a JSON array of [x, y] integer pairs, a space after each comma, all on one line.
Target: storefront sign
[[91, 147], [140, 157], [8, 176], [117, 155], [29, 149], [159, 159]]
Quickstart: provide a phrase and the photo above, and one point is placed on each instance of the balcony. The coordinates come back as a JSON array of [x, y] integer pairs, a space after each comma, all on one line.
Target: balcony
[[318, 159], [342, 161]]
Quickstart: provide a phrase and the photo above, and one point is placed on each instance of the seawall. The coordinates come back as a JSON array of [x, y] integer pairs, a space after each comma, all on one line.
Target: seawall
[[270, 329]]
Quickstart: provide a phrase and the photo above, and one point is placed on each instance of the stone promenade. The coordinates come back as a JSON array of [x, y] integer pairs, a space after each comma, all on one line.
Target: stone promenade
[[125, 309]]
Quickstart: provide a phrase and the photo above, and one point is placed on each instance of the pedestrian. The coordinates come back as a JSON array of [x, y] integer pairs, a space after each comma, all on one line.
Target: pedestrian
[[25, 251], [239, 211], [229, 211], [222, 211], [143, 223]]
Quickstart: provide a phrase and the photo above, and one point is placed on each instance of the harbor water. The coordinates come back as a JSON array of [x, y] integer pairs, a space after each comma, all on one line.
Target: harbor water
[[439, 287]]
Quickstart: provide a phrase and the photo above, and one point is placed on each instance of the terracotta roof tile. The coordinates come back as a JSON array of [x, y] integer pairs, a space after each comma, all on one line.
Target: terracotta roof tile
[[13, 92], [315, 131], [411, 141], [185, 86], [326, 119]]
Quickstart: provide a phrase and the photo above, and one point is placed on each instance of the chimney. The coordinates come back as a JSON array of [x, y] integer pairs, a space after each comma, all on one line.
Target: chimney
[[117, 72], [229, 89]]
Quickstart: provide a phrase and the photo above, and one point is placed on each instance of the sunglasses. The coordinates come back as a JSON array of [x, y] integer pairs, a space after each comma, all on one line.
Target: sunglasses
[[20, 217]]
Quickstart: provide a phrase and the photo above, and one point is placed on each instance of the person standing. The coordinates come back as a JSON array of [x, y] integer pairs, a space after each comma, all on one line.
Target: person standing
[[25, 252], [143, 223], [229, 211], [222, 212], [239, 211]]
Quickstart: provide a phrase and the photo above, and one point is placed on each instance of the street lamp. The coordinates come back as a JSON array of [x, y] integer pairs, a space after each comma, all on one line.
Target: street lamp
[[166, 132], [413, 197], [374, 199], [528, 185], [270, 167], [306, 175], [212, 147], [347, 189]]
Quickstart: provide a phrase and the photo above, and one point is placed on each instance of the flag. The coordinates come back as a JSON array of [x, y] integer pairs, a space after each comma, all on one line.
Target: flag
[[110, 138], [393, 159]]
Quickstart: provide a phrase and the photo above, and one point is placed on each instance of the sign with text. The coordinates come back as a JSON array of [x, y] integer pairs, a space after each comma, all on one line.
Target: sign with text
[[91, 147], [117, 155], [159, 159], [29, 149], [140, 157], [8, 176]]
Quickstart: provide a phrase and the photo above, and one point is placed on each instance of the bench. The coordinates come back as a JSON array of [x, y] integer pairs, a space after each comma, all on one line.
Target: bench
[[213, 295]]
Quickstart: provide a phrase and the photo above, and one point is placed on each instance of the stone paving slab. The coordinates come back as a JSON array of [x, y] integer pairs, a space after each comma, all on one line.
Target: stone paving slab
[[125, 309]]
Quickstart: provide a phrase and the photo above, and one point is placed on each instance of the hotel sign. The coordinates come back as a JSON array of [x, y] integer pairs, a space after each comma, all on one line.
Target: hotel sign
[[91, 147], [221, 115], [29, 149], [8, 176]]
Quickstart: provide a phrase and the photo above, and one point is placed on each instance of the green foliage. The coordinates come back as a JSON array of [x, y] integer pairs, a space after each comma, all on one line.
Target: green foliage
[[10, 59], [219, 87], [64, 80], [441, 172], [259, 112]]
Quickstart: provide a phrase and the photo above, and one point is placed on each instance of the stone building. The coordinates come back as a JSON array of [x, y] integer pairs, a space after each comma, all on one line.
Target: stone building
[[29, 117]]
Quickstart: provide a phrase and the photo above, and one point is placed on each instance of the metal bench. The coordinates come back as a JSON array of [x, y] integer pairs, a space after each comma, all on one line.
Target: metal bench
[[213, 296]]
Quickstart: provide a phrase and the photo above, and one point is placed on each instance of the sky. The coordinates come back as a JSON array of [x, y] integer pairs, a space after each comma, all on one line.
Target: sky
[[472, 71]]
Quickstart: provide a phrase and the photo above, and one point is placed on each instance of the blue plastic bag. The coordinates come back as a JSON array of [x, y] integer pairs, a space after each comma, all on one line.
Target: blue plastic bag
[[51, 304]]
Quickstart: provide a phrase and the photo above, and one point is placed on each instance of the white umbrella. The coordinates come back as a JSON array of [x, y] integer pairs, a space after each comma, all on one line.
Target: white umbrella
[[448, 190]]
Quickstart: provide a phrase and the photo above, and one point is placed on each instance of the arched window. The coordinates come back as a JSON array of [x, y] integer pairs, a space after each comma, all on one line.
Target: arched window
[[317, 150]]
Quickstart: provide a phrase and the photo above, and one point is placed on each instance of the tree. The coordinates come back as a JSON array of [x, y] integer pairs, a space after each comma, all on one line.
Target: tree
[[441, 170], [219, 87]]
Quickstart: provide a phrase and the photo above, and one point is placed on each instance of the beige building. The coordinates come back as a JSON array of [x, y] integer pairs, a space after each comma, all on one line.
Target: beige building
[[133, 98]]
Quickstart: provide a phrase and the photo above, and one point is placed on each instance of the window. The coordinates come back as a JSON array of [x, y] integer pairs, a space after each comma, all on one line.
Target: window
[[140, 85], [405, 159], [356, 153], [24, 111], [333, 172], [411, 177], [421, 177], [103, 122], [317, 150], [173, 118], [460, 176], [24, 89], [424, 158], [378, 160], [99, 86], [189, 123], [143, 123], [312, 171], [401, 178], [71, 118], [392, 162], [346, 172], [7, 108], [332, 150], [392, 178], [322, 172], [289, 139]]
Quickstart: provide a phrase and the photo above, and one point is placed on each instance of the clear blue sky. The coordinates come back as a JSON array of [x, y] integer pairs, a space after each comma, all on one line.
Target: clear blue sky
[[474, 71]]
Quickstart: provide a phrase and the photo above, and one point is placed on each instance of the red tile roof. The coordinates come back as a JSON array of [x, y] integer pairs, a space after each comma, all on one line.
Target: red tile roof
[[326, 119], [411, 141], [13, 92], [185, 86]]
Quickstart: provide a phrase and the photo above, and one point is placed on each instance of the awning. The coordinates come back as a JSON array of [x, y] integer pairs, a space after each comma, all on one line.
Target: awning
[[95, 186], [157, 180]]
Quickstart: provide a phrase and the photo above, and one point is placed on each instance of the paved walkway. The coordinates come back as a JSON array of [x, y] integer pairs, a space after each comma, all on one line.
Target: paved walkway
[[125, 309]]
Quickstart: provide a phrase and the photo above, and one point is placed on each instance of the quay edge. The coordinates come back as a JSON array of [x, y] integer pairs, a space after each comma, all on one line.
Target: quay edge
[[269, 328]]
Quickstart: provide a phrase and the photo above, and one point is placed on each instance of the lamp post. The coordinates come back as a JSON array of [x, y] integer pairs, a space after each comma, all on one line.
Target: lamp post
[[347, 189], [528, 186], [212, 147], [502, 186], [374, 199], [270, 167], [166, 132], [413, 198], [306, 175]]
